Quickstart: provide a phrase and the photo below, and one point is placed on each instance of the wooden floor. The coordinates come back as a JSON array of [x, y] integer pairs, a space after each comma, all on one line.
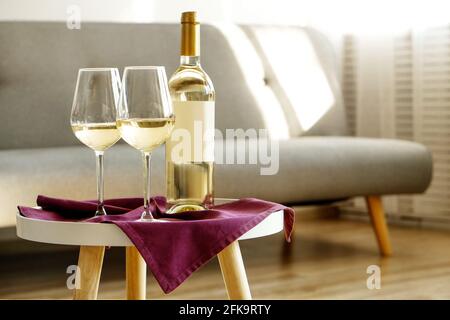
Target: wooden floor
[[327, 260]]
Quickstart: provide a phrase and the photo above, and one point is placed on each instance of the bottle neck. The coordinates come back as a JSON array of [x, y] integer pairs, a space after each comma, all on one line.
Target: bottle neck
[[190, 60], [190, 41]]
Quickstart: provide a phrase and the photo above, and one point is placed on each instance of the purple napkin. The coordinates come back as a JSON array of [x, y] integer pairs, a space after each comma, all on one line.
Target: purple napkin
[[172, 250]]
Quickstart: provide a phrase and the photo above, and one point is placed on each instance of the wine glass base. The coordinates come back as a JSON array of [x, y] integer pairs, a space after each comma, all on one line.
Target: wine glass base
[[149, 218], [100, 212]]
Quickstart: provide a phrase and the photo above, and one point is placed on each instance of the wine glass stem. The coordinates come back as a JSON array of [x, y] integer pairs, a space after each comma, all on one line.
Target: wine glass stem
[[147, 159], [100, 184]]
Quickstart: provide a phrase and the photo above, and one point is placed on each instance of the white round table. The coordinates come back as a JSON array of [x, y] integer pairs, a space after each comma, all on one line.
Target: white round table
[[108, 234], [94, 237]]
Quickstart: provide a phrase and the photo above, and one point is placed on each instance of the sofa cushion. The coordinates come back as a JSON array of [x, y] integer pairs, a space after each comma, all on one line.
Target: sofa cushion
[[67, 172], [310, 168], [327, 168]]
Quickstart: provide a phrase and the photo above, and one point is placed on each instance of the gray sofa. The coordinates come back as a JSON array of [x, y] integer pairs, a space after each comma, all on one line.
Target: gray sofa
[[40, 155]]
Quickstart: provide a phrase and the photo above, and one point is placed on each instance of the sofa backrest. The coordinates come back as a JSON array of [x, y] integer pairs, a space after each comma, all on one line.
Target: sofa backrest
[[39, 64], [301, 69]]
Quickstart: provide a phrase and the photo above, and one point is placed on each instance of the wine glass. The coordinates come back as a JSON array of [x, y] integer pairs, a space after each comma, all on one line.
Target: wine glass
[[145, 117], [93, 117]]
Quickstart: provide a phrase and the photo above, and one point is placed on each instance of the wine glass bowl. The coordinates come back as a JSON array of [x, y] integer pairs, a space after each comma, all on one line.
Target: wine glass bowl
[[97, 136], [145, 134]]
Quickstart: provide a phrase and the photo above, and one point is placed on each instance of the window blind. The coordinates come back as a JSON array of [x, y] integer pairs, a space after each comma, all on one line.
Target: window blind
[[431, 110], [349, 85], [421, 103]]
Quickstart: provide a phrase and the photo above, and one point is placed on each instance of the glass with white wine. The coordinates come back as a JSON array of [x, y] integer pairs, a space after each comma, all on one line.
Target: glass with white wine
[[145, 117], [93, 117]]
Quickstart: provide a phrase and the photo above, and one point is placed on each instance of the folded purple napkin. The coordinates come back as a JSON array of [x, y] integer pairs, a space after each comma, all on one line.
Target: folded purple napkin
[[172, 250]]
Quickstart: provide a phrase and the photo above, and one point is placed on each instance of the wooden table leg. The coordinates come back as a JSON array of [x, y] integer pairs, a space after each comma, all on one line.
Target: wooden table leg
[[90, 263], [233, 272], [136, 274], [379, 224]]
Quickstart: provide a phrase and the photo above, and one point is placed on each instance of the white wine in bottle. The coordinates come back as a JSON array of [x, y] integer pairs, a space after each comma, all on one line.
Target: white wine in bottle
[[190, 172]]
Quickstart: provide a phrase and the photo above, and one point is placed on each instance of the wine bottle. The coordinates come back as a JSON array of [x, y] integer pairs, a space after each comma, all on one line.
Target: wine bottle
[[190, 172]]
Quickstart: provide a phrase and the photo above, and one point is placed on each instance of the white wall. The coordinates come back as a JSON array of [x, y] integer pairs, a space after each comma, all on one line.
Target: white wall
[[278, 12], [138, 10], [252, 11], [92, 10], [359, 16]]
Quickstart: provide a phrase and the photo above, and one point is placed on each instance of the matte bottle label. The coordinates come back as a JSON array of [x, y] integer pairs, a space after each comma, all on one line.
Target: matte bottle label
[[192, 139]]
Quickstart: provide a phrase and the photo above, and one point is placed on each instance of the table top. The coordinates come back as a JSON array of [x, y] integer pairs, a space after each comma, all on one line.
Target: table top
[[108, 234]]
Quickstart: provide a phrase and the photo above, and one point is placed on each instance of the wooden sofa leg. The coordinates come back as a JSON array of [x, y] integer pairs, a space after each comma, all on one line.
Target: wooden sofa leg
[[378, 219]]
